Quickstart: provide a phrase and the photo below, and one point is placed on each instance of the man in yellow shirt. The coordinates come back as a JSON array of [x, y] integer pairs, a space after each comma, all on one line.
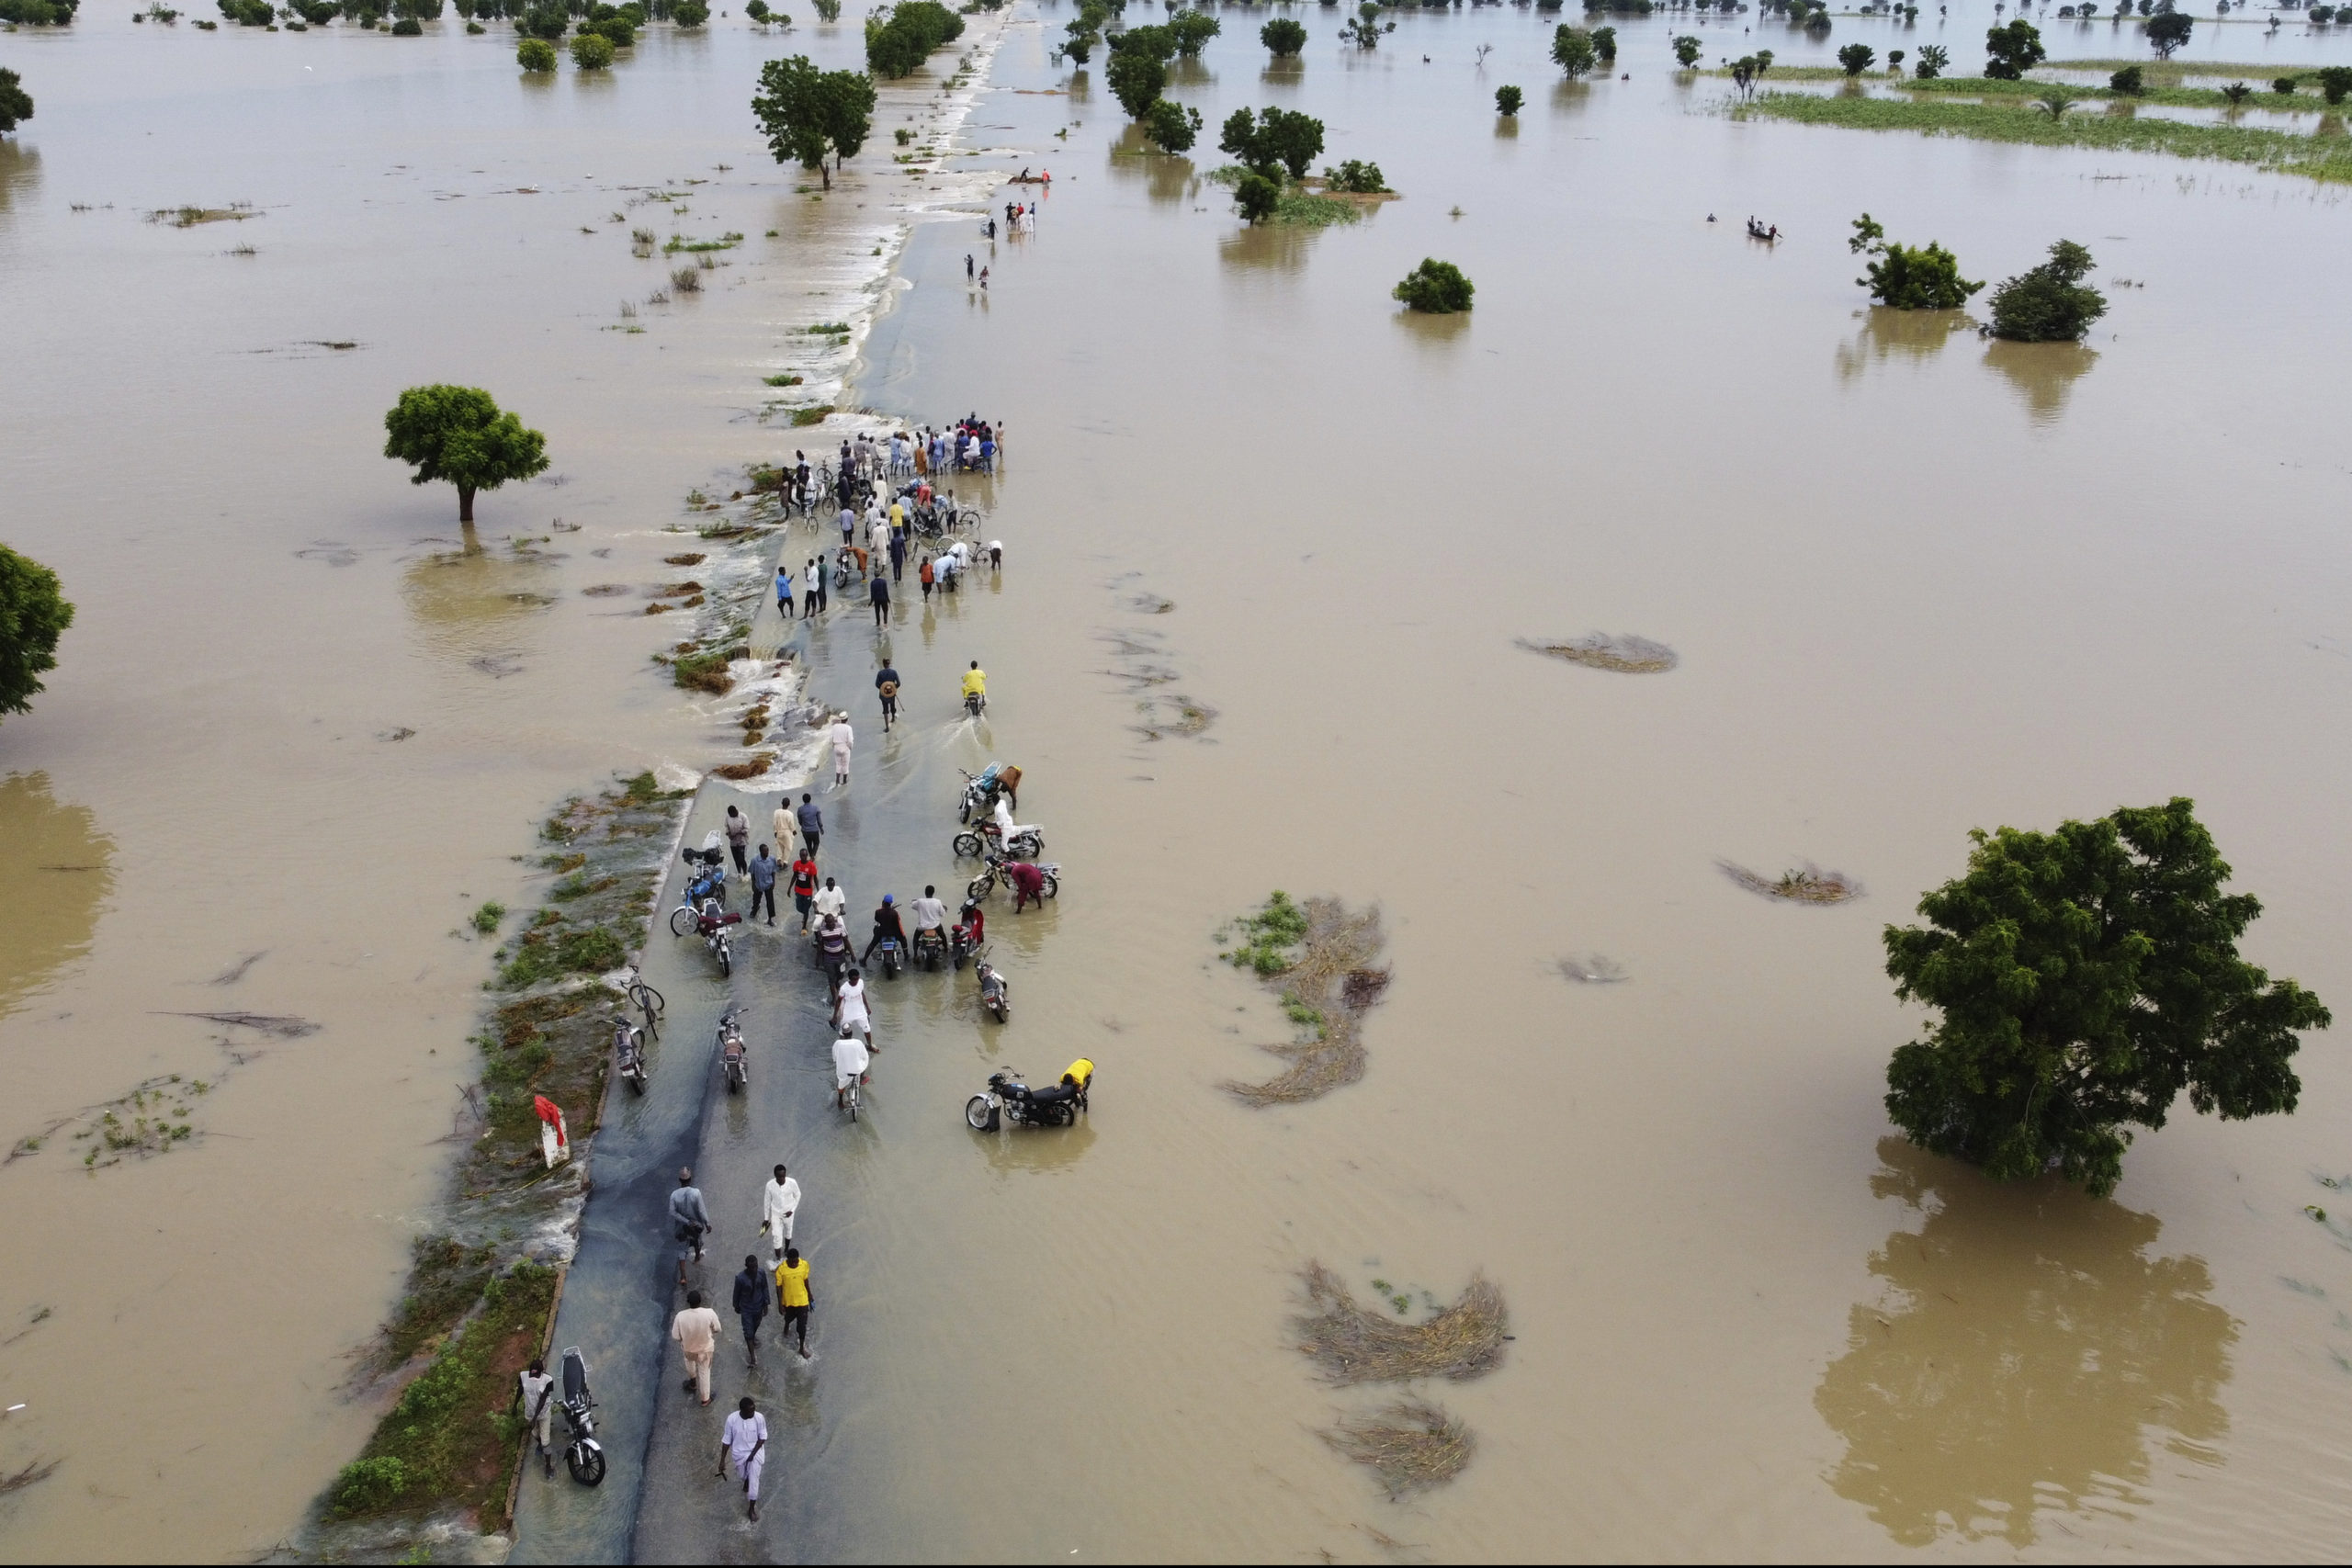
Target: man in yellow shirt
[[792, 1296], [975, 683]]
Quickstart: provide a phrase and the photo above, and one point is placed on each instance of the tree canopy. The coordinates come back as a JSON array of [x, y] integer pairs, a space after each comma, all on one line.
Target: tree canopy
[[2168, 31], [15, 104], [1275, 138], [458, 434], [1434, 288], [900, 38], [1572, 50], [1192, 30], [2084, 978], [1907, 277], [1172, 127], [33, 616], [2012, 50], [1687, 49], [1282, 37], [807, 112], [2050, 303], [1857, 58], [1137, 76]]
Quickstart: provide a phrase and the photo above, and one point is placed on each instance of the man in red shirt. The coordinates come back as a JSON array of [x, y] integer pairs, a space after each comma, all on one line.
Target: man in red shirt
[[804, 887]]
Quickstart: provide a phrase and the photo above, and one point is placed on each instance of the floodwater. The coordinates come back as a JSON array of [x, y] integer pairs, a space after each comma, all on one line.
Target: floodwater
[[1917, 583]]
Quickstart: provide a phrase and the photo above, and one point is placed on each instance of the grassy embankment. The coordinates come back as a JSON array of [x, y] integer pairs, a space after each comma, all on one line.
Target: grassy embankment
[[2170, 95], [2320, 157], [477, 1305]]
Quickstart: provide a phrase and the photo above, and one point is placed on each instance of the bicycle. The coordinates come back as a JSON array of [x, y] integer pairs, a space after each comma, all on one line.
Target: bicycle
[[647, 1001]]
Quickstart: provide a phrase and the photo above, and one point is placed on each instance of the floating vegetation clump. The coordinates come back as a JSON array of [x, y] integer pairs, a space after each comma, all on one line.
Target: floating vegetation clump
[[1593, 969], [605, 590], [1411, 1445], [1807, 884], [189, 217], [1355, 1344], [1624, 654], [737, 771], [1319, 957]]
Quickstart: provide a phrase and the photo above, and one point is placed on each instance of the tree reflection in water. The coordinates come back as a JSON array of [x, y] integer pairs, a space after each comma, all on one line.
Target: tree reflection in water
[[1913, 336], [2024, 1354], [2044, 372]]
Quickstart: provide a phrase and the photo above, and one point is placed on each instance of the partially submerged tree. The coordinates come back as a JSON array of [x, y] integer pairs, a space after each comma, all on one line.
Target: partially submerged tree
[[1257, 197], [901, 38], [15, 104], [2168, 31], [808, 113], [1282, 37], [1857, 58], [1365, 30], [2051, 303], [592, 51], [1285, 139], [2336, 83], [1137, 78], [1170, 127], [1572, 50], [534, 54], [1192, 30], [2131, 81], [1506, 101], [1605, 44], [1908, 278], [33, 616], [459, 436], [1434, 288], [1933, 58], [2084, 978], [1687, 50], [2012, 50]]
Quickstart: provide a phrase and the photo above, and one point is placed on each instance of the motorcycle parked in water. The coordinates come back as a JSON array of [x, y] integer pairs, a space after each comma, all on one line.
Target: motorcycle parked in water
[[1028, 839], [1057, 1105], [629, 1054], [996, 993], [583, 1456], [964, 941], [985, 883], [712, 922], [731, 1056], [981, 789]]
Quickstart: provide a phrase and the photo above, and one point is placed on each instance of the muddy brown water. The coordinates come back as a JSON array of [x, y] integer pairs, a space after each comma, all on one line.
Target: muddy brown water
[[1917, 583]]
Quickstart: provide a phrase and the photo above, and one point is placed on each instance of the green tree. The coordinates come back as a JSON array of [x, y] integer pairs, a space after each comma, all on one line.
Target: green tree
[[2051, 303], [807, 112], [1908, 278], [1172, 127], [2084, 978], [1572, 50], [1365, 30], [2012, 50], [1156, 41], [1282, 37], [2130, 82], [542, 21], [458, 434], [1933, 58], [1136, 80], [33, 616], [1506, 101], [592, 51], [1272, 139], [1356, 177], [1192, 30], [1605, 44], [1434, 288], [897, 41], [1687, 50], [689, 13], [534, 54], [1084, 32], [2336, 83], [1857, 58], [1257, 197], [2168, 31], [15, 104]]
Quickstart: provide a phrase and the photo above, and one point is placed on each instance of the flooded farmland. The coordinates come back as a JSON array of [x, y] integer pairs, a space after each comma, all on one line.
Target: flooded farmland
[[1273, 549]]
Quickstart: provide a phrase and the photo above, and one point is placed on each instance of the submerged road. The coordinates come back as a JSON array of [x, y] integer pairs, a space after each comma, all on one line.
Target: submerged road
[[889, 832]]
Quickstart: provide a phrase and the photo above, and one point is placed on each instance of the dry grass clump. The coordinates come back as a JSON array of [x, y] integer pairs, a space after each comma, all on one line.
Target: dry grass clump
[[1806, 884], [1327, 989], [1355, 1344], [605, 590], [1410, 1444], [737, 771], [695, 560], [1623, 653]]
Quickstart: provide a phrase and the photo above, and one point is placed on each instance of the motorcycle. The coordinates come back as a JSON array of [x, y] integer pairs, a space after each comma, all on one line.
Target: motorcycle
[[996, 993], [1057, 1105], [1028, 839], [583, 1456], [706, 885], [983, 885], [930, 948], [629, 1054], [974, 702], [964, 941], [889, 949], [732, 1057], [980, 791], [712, 921]]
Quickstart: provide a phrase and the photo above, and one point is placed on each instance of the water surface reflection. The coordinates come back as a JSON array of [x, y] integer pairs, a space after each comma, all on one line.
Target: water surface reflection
[[1910, 335], [2044, 372], [55, 871], [2023, 1354]]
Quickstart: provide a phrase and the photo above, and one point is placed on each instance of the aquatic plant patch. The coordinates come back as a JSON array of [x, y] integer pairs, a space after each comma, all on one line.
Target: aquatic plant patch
[[1804, 884], [1318, 957], [1622, 653]]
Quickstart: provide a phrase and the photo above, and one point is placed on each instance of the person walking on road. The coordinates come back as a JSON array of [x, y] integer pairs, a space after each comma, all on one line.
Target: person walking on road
[[927, 577], [803, 887], [787, 832], [696, 1328], [752, 1305], [536, 1399], [843, 738], [744, 1439], [739, 834], [792, 1296], [689, 1219], [885, 680], [812, 824], [879, 593], [779, 1201], [814, 576], [764, 869]]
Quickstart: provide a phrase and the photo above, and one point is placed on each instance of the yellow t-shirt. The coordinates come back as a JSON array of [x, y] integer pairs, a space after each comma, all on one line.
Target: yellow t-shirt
[[975, 680], [792, 1280]]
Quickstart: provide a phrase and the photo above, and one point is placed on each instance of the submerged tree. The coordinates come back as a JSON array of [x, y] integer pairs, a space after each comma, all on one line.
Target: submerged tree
[[2050, 303], [1906, 277], [1171, 127], [458, 434], [1933, 58], [2168, 31], [15, 104], [33, 616], [2086, 977], [2013, 50], [1572, 50], [1272, 141], [1282, 37], [1137, 77], [1434, 288], [1192, 30], [1506, 101], [1257, 197], [1687, 49], [808, 113], [1857, 58]]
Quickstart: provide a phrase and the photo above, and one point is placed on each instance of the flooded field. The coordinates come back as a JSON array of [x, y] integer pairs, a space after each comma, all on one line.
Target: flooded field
[[1272, 551]]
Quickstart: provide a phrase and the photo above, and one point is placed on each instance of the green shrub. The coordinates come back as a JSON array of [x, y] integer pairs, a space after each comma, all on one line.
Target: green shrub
[[543, 21], [2051, 303], [486, 919], [1907, 277], [2336, 83], [901, 38], [534, 54], [1266, 937], [592, 51], [1360, 178], [689, 13], [2130, 82], [1257, 197], [1282, 37], [1508, 99], [1435, 288], [407, 26], [368, 1486]]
